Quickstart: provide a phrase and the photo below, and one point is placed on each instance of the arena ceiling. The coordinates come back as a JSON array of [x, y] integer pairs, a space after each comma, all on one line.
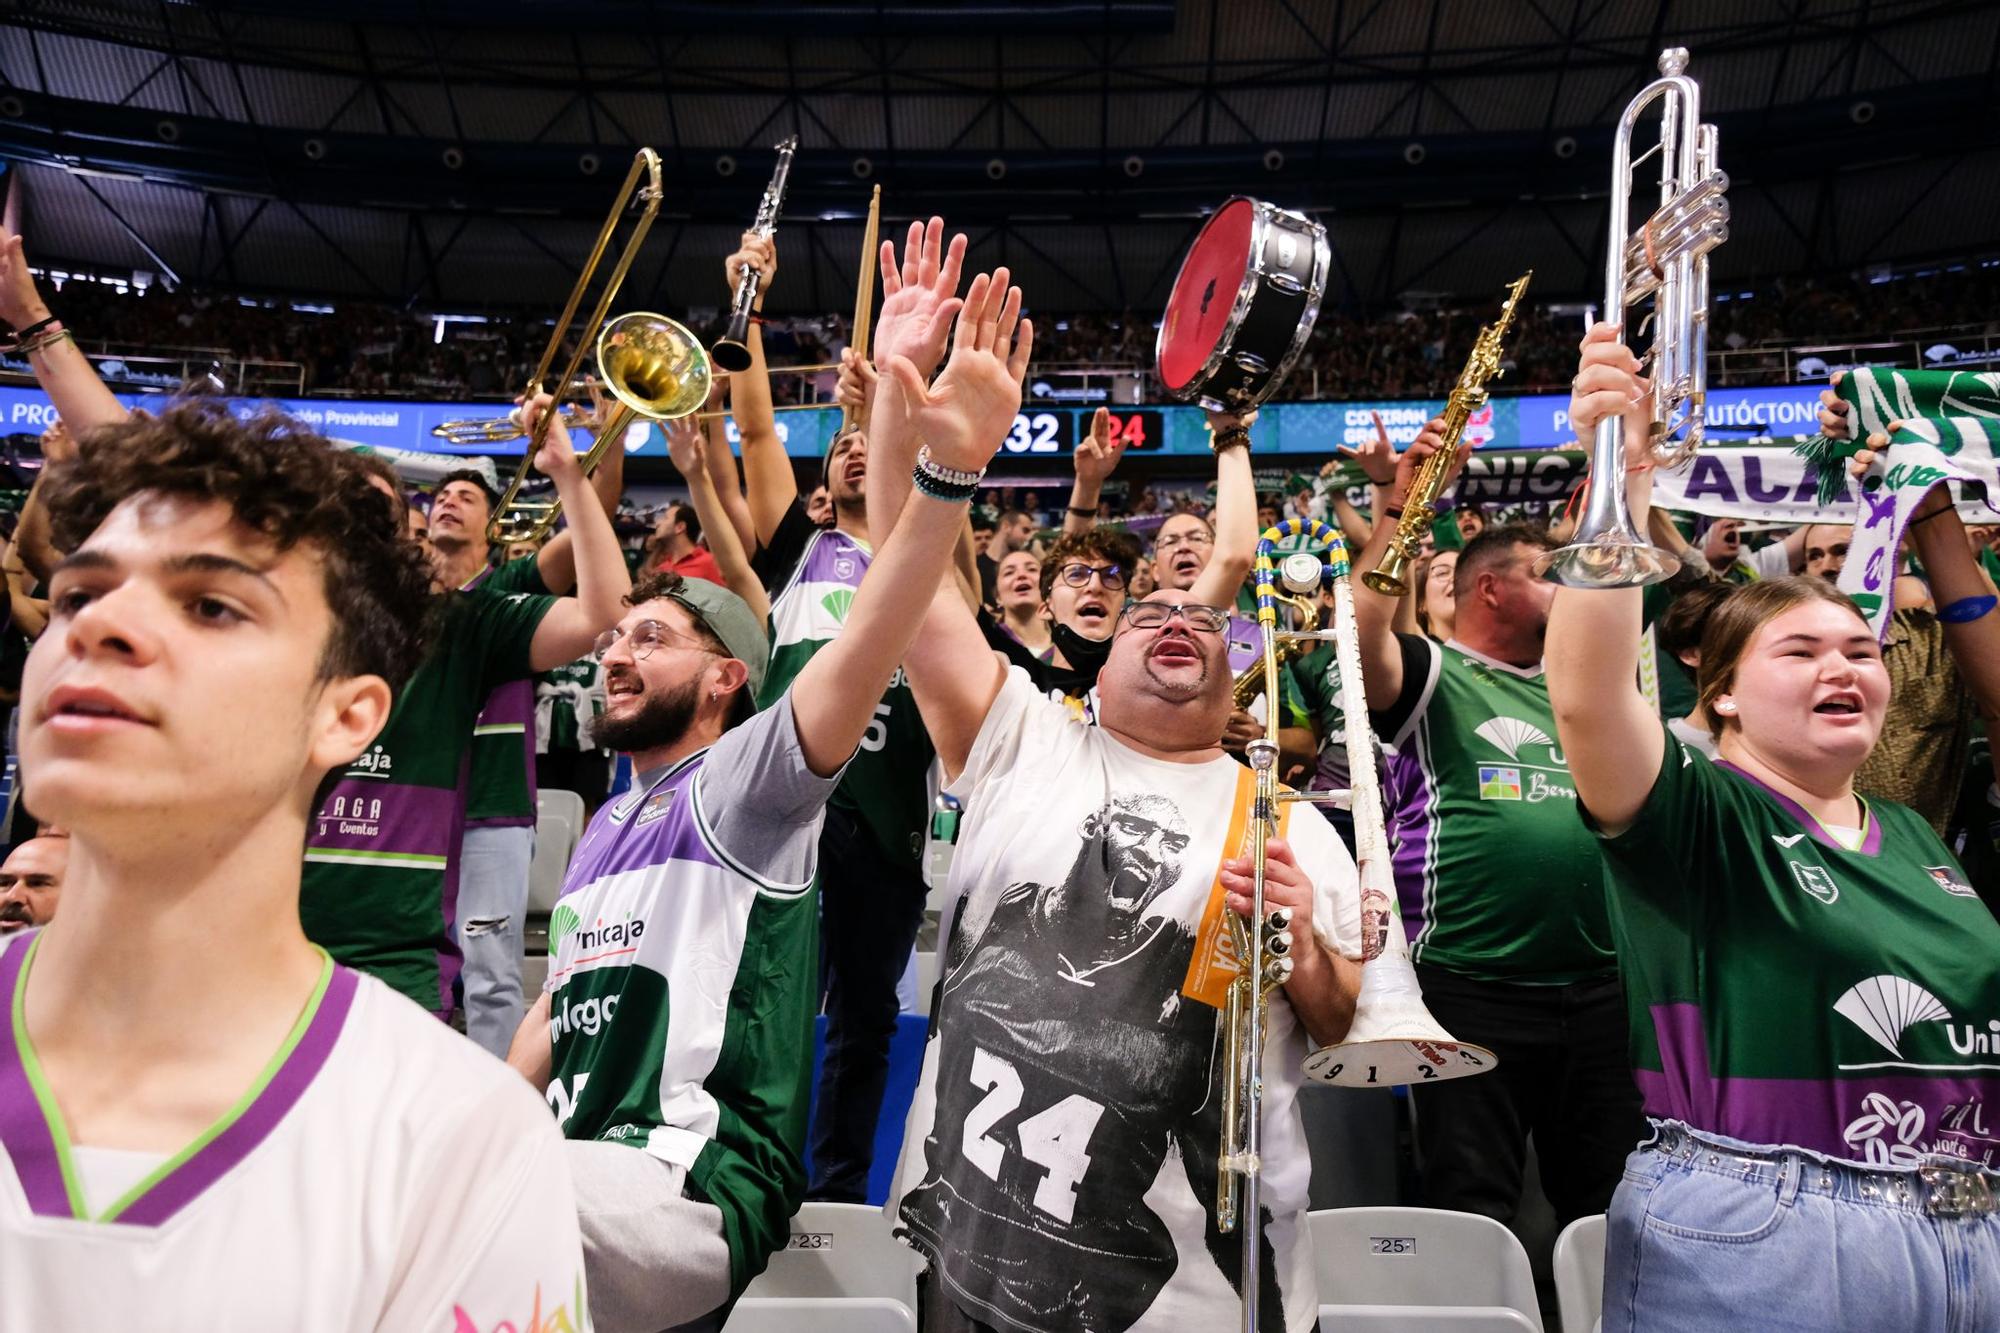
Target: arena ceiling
[[457, 155]]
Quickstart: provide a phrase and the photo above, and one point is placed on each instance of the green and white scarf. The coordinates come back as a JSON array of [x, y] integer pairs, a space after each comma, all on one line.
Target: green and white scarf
[[1940, 427]]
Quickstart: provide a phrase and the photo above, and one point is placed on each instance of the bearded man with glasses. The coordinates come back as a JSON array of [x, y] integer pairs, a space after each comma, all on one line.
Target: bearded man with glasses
[[674, 1039]]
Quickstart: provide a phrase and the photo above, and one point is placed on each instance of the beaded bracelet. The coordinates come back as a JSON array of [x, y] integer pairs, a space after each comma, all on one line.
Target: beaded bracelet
[[1229, 439], [950, 484]]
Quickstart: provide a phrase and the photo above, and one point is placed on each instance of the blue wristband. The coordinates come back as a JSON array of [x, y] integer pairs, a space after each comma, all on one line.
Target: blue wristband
[[1967, 609]]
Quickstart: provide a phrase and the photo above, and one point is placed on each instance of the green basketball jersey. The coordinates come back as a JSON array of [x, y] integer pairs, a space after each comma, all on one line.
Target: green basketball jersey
[[1499, 879], [684, 975], [887, 786], [500, 788], [381, 867], [1786, 990]]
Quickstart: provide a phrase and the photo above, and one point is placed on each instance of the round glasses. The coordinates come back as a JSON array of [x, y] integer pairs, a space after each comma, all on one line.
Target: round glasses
[[645, 636], [1078, 575], [1152, 615]]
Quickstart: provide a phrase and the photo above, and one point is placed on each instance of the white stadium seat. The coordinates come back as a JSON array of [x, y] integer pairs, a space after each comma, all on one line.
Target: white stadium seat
[[1384, 1269], [559, 823], [841, 1249], [1579, 1269], [826, 1314], [1410, 1319]]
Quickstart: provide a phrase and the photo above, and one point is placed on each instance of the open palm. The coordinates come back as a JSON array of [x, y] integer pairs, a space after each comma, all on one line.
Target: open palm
[[965, 415], [919, 297]]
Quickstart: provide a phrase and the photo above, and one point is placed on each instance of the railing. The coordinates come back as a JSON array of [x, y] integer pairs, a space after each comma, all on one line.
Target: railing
[[172, 369], [1928, 349]]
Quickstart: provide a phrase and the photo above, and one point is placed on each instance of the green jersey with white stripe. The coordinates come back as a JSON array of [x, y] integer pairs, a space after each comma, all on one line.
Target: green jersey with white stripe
[[887, 787], [1499, 879], [381, 866], [684, 975]]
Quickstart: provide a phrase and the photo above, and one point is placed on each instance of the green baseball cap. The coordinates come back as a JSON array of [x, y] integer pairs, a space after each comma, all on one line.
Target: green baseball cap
[[731, 620]]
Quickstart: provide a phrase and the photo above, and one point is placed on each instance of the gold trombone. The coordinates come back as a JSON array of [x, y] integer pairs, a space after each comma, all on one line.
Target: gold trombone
[[641, 347]]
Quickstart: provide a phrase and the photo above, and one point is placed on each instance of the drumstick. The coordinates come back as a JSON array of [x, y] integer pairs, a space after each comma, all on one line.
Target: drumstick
[[864, 293]]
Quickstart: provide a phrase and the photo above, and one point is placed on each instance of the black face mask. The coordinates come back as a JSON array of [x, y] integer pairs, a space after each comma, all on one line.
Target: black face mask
[[1084, 655]]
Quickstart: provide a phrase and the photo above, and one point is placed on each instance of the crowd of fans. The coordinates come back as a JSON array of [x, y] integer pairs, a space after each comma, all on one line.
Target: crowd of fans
[[796, 673], [353, 347]]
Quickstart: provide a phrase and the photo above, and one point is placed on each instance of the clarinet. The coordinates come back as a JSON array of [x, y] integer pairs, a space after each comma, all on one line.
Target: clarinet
[[731, 351]]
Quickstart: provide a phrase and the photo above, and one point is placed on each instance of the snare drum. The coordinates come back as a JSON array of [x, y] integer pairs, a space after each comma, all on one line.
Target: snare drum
[[1242, 306]]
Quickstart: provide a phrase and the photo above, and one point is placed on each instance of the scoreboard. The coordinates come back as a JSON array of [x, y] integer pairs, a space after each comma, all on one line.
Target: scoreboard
[[1057, 431]]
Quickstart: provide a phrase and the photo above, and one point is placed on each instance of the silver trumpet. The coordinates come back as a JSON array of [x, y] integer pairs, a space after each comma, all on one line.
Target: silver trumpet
[[1666, 259]]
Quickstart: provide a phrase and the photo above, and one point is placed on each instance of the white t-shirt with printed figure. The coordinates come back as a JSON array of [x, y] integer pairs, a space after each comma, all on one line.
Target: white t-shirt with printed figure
[[1059, 1162], [385, 1175]]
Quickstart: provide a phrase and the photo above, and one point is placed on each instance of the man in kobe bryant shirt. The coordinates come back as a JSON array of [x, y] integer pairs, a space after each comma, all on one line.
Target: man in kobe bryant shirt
[[1502, 886], [676, 1038]]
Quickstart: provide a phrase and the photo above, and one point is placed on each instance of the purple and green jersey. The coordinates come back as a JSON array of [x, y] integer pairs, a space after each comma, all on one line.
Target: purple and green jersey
[[1784, 989], [684, 976], [500, 787], [381, 866], [1498, 878]]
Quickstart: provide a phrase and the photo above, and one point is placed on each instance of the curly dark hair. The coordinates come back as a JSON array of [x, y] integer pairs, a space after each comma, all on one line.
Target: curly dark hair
[[1110, 544], [290, 485]]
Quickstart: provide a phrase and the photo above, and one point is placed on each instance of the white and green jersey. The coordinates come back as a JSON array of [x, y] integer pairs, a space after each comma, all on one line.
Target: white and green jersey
[[683, 976], [1499, 880], [1784, 989], [383, 1175], [887, 788]]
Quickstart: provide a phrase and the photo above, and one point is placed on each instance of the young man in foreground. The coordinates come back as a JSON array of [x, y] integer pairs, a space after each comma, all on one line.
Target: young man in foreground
[[204, 1122]]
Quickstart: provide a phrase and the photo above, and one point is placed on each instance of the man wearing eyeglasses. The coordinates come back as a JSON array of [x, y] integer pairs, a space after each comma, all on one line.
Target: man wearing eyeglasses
[[1083, 584], [1058, 1167], [674, 1040]]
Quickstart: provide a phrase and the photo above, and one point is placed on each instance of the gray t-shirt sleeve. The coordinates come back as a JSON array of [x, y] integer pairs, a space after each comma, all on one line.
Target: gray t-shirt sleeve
[[759, 802]]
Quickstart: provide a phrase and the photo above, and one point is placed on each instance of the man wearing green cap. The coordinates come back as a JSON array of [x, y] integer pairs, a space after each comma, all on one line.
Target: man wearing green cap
[[674, 1038]]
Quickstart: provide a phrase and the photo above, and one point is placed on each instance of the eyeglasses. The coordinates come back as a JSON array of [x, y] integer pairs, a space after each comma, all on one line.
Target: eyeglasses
[[646, 636], [1151, 615], [1194, 538], [1078, 575]]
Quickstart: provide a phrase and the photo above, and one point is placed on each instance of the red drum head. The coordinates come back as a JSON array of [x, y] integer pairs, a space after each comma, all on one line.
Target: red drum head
[[1205, 292]]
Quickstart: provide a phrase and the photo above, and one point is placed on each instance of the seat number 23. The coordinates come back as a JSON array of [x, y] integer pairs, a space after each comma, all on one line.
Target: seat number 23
[[1054, 1139]]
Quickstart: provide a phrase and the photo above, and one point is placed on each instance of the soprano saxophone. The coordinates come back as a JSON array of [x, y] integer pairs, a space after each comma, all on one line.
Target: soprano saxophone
[[1467, 397]]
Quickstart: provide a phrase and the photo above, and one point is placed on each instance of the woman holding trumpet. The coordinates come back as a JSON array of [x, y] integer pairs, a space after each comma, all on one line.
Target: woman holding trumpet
[[1812, 985]]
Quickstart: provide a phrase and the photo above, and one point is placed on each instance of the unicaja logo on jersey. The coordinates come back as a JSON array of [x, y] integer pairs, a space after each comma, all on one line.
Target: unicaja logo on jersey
[[562, 921], [836, 604], [1520, 780], [1885, 1007]]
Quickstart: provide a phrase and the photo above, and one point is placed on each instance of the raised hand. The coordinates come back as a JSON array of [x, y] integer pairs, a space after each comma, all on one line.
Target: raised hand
[[20, 303], [1834, 422], [855, 388], [1377, 457], [761, 254], [966, 413], [687, 445], [1429, 440], [919, 297], [556, 458], [1097, 454], [1607, 381], [58, 445]]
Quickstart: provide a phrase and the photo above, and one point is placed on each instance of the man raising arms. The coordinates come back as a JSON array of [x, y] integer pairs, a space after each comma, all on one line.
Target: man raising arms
[[872, 888], [1059, 1166], [205, 1121], [683, 980]]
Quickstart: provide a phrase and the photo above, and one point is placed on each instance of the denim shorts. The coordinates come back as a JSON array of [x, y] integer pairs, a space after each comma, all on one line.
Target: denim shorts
[[1710, 1235]]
